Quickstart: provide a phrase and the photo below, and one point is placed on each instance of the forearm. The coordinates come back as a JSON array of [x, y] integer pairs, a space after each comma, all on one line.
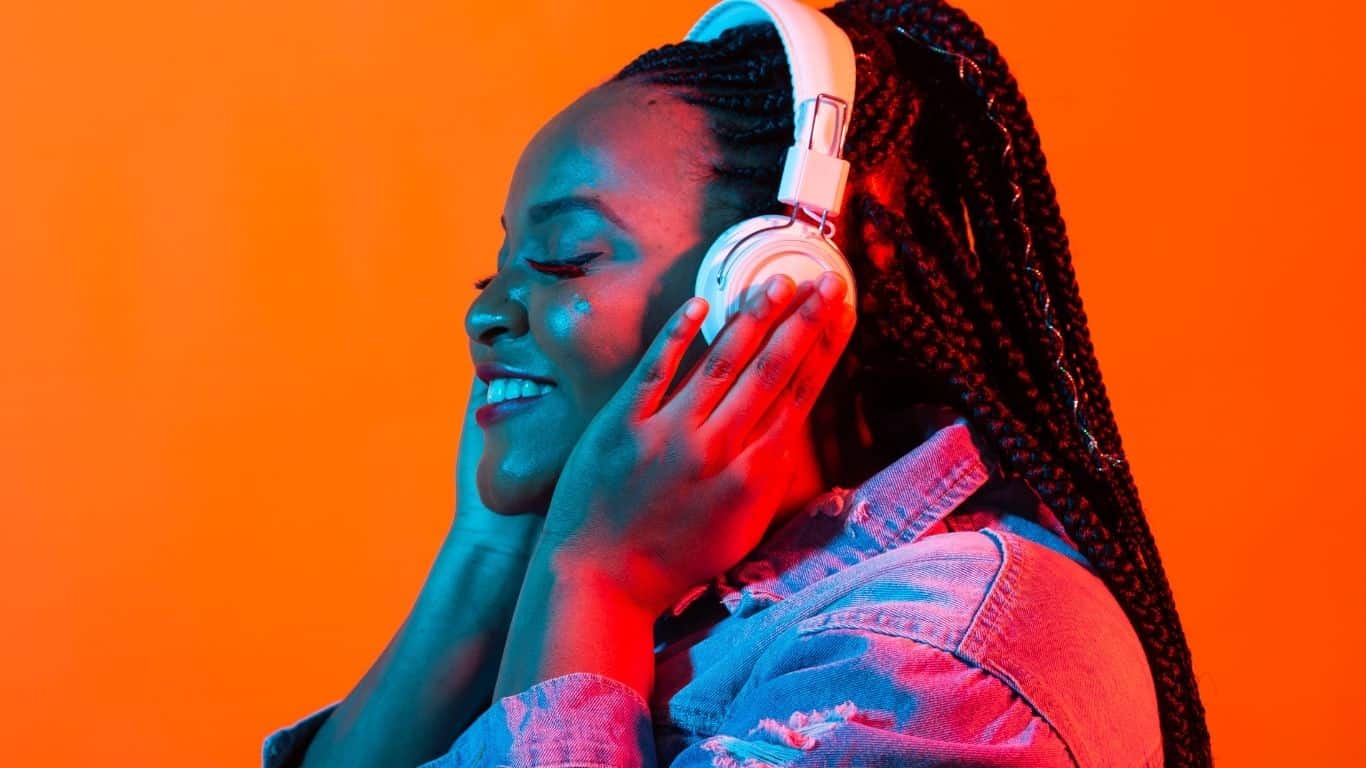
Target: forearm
[[572, 619], [438, 671]]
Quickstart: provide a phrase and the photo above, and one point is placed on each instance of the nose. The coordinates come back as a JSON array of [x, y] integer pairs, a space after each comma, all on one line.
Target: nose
[[494, 313]]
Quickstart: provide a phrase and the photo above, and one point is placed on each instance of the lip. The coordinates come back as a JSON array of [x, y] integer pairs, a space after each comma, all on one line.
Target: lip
[[489, 371], [492, 413]]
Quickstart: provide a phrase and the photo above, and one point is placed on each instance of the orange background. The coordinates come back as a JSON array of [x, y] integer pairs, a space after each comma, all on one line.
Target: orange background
[[236, 242]]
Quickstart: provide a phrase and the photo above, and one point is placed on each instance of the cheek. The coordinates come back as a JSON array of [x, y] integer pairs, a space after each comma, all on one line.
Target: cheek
[[593, 342]]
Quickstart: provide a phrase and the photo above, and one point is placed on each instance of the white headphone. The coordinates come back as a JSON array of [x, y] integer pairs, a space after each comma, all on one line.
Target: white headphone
[[821, 60]]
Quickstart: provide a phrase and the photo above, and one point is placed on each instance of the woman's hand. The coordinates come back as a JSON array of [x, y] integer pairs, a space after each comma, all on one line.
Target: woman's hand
[[476, 524], [665, 491]]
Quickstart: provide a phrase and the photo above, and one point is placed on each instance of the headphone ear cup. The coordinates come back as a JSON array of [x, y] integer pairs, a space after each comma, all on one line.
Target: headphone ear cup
[[750, 252]]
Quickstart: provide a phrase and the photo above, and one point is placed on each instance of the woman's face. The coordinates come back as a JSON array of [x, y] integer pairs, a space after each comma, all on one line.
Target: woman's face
[[606, 220]]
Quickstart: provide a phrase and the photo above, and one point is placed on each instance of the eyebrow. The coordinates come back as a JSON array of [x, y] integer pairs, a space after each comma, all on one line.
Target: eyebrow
[[542, 212]]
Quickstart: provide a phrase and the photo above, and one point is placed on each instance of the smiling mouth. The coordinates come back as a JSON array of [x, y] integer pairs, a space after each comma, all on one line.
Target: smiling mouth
[[506, 397], [501, 390]]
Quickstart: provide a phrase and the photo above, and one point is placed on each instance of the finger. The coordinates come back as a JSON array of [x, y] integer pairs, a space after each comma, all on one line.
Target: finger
[[709, 379], [649, 381], [790, 410], [786, 352]]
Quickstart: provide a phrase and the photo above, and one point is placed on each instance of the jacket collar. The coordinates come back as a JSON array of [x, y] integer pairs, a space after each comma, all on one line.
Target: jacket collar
[[842, 527]]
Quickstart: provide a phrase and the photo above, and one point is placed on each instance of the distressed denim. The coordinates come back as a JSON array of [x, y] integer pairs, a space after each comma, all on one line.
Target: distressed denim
[[937, 614]]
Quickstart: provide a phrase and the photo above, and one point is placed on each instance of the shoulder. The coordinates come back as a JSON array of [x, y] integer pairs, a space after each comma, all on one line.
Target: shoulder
[[927, 591], [1034, 619]]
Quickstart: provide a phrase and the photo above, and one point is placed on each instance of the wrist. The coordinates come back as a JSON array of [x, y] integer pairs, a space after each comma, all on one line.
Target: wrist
[[572, 616], [575, 573], [484, 576], [511, 554], [513, 539], [630, 581]]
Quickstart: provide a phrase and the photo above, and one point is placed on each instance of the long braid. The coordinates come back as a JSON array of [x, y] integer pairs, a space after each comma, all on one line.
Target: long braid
[[955, 315], [1150, 606]]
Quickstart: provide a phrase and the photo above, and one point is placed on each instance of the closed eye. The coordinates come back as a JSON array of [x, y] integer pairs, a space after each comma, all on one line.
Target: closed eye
[[571, 267]]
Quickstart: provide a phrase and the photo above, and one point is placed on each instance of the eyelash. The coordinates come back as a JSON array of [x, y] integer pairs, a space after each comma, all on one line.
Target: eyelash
[[566, 268]]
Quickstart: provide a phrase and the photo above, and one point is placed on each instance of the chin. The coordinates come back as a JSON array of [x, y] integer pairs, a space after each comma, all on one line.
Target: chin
[[515, 493]]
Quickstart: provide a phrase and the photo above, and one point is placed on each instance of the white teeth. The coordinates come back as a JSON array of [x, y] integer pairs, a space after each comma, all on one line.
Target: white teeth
[[511, 389]]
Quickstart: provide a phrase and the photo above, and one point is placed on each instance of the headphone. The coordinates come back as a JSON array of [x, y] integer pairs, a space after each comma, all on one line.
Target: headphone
[[799, 245]]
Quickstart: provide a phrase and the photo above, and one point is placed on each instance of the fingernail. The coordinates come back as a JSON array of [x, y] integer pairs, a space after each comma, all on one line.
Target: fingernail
[[831, 286], [779, 289], [696, 309]]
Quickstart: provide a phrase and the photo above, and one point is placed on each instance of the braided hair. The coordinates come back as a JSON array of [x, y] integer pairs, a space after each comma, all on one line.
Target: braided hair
[[950, 287]]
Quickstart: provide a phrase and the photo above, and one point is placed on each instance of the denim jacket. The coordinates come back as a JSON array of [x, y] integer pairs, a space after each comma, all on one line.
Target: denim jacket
[[937, 614]]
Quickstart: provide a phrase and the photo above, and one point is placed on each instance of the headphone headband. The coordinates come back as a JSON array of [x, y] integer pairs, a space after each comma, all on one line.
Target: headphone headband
[[821, 60]]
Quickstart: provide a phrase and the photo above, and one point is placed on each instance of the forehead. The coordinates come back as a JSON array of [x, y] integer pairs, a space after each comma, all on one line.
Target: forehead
[[635, 147]]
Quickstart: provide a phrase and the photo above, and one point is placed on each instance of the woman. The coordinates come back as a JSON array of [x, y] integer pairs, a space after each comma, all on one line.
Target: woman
[[683, 556]]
